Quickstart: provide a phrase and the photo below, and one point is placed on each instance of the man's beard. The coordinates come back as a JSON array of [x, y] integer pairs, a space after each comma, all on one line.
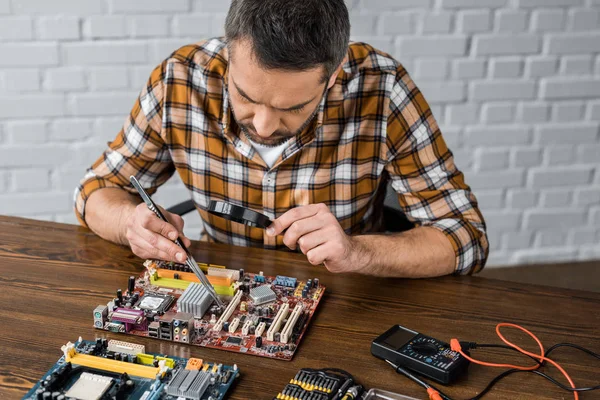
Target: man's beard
[[278, 137]]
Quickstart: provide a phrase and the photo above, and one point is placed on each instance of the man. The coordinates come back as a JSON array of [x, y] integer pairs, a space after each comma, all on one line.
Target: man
[[284, 116]]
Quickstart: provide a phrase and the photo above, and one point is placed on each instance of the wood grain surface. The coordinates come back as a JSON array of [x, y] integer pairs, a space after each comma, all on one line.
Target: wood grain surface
[[53, 275]]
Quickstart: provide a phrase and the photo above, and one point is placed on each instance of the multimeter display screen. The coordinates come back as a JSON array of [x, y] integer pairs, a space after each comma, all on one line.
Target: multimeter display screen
[[399, 338]]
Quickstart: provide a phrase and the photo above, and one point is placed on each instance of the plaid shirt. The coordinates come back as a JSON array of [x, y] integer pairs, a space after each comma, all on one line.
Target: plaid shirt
[[373, 126]]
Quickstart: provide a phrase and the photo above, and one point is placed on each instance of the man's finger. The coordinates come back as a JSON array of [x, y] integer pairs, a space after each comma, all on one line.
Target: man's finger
[[311, 240], [291, 216], [155, 224], [319, 254], [301, 228], [160, 243]]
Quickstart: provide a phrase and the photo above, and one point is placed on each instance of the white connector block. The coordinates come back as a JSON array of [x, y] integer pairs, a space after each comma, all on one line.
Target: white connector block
[[260, 329], [281, 314], [286, 333], [234, 325], [124, 347], [246, 326]]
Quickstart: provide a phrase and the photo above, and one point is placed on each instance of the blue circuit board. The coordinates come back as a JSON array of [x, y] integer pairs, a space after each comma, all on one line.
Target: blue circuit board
[[103, 374]]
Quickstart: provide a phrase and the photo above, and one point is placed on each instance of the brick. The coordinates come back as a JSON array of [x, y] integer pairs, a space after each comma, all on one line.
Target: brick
[[103, 103], [560, 176], [462, 114], [68, 178], [503, 220], [70, 129], [31, 156], [85, 154], [597, 67], [387, 5], [138, 75], [16, 28], [223, 6], [559, 155], [568, 133], [502, 90], [32, 180], [584, 19], [521, 198], [22, 203], [594, 111], [38, 105], [533, 112], [106, 78], [65, 79], [589, 153], [4, 181], [28, 54], [550, 238], [555, 198], [105, 26], [568, 112], [540, 66], [474, 21], [511, 21], [544, 255], [548, 3], [547, 20], [439, 22], [576, 65], [452, 137], [398, 24], [506, 44], [496, 113], [62, 7], [149, 25], [436, 68], [159, 49], [362, 24], [491, 159], [587, 196], [576, 43], [517, 240], [506, 68], [540, 219], [432, 46], [105, 52], [526, 157], [473, 3], [27, 132], [58, 28], [107, 128], [490, 199], [497, 179], [582, 236], [148, 6], [443, 92], [496, 136], [567, 88], [20, 80], [469, 69]]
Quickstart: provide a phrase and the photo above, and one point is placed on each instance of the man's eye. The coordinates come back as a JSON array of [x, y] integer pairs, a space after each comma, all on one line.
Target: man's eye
[[297, 110]]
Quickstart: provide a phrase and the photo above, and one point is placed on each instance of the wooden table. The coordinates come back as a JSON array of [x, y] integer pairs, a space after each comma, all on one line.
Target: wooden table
[[53, 275]]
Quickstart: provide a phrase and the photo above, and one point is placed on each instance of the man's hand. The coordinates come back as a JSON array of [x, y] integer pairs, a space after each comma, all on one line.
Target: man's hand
[[150, 237], [320, 237]]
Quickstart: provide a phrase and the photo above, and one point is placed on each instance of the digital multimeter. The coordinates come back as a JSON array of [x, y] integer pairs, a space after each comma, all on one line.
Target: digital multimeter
[[422, 354]]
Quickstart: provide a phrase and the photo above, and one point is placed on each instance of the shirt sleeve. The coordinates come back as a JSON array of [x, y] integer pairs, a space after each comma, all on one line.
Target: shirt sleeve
[[431, 190], [138, 149]]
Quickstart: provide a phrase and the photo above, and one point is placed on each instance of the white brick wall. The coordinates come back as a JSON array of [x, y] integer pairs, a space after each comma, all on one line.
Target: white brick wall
[[515, 85]]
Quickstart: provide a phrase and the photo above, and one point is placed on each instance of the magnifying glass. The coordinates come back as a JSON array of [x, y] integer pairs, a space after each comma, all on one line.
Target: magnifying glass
[[238, 214]]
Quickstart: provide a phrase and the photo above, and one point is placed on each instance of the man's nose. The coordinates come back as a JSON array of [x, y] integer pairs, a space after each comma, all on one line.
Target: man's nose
[[265, 122]]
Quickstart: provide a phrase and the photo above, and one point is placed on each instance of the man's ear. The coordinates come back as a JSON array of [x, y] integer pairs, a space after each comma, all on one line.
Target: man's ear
[[336, 72]]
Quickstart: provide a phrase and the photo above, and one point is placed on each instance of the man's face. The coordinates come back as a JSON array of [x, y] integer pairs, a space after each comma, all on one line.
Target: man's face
[[270, 106]]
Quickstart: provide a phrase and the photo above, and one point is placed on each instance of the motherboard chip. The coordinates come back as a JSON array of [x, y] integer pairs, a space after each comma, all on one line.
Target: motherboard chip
[[234, 340], [262, 294], [155, 302], [89, 386]]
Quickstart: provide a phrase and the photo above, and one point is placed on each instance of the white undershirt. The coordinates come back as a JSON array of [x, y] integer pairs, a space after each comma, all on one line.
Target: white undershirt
[[268, 153]]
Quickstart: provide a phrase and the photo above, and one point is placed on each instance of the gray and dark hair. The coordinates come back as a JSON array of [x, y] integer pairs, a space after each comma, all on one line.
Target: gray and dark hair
[[294, 35]]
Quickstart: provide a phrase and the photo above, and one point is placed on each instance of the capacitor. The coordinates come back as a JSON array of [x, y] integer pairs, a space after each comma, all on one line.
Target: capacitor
[[316, 282], [131, 285], [213, 319], [251, 330], [46, 395], [241, 273], [243, 306], [259, 342], [277, 337], [225, 326], [120, 295], [55, 395]]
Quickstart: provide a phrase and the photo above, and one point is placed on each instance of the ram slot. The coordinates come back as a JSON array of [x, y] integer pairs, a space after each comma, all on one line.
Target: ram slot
[[260, 329], [228, 311], [281, 314], [286, 333]]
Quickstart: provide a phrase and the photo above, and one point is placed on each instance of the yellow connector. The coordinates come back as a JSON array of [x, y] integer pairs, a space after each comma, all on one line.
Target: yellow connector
[[206, 367], [105, 364]]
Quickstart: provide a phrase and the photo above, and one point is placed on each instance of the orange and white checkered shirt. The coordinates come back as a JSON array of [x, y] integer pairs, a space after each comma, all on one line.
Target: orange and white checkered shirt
[[372, 127]]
